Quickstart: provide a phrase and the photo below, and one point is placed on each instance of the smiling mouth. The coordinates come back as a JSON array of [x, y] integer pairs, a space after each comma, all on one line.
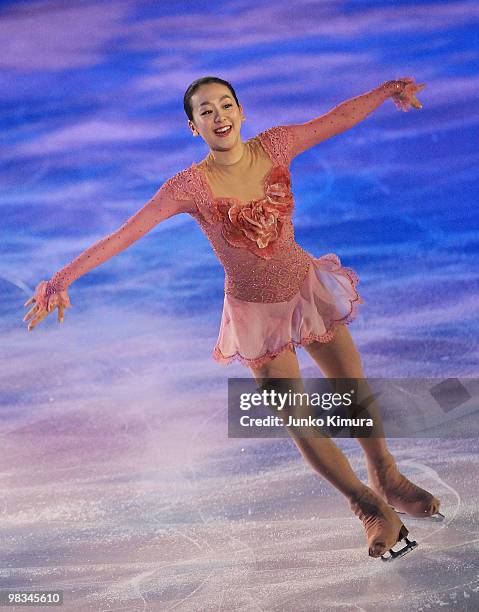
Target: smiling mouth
[[223, 132]]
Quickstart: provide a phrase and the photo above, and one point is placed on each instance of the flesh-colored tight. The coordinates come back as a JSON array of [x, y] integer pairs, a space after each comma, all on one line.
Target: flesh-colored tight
[[337, 358]]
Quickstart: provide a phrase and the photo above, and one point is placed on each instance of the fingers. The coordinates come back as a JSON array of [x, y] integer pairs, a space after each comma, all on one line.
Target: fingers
[[409, 95], [30, 301], [415, 102], [419, 87], [30, 313], [40, 316], [39, 313]]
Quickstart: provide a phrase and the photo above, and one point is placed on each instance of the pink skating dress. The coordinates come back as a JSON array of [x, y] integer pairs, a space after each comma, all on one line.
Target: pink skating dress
[[277, 295]]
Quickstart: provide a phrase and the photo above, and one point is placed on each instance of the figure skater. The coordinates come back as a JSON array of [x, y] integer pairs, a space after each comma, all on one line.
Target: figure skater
[[277, 295]]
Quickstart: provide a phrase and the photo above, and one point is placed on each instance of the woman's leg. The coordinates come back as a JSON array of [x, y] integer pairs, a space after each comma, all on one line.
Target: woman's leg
[[339, 358], [322, 453], [382, 524]]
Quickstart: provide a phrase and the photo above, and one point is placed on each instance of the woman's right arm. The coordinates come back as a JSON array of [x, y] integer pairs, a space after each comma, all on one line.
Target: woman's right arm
[[52, 293]]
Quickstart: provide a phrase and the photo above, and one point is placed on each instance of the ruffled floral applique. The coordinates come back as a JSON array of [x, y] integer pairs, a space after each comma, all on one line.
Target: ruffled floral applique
[[257, 224]]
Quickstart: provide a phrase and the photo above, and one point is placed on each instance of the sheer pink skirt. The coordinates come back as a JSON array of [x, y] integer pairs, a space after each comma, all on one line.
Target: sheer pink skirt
[[254, 332]]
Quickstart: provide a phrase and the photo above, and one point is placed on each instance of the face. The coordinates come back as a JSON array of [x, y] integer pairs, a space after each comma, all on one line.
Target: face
[[213, 107]]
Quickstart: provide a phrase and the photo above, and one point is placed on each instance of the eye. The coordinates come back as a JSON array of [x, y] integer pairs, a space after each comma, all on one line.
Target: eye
[[224, 105]]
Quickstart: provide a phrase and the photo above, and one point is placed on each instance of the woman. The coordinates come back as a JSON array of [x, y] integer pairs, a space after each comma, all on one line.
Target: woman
[[277, 296]]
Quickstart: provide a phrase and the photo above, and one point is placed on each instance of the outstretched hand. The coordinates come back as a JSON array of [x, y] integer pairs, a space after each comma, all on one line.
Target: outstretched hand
[[407, 97], [43, 305]]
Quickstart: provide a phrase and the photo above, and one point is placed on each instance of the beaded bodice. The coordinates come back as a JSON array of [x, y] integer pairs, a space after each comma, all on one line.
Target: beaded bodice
[[254, 240]]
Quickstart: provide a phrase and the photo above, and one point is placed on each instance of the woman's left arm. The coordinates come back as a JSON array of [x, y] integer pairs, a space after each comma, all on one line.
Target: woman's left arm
[[352, 111]]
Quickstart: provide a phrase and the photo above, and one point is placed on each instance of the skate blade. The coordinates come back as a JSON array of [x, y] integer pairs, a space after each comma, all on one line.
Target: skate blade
[[394, 554], [436, 518]]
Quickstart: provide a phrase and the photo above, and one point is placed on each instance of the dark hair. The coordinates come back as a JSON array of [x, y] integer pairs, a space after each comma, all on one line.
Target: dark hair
[[196, 84]]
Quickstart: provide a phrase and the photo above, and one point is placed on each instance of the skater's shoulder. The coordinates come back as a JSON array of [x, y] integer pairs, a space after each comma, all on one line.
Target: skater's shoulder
[[183, 184], [278, 141]]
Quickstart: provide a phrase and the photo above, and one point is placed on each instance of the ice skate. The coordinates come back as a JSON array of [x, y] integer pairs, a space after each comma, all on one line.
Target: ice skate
[[384, 529], [400, 493]]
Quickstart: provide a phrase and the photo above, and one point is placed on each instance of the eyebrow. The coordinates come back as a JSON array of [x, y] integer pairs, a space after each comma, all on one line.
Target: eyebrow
[[222, 97]]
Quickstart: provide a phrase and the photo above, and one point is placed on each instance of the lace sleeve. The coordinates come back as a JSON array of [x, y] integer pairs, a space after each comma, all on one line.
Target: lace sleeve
[[342, 117], [169, 200], [280, 142]]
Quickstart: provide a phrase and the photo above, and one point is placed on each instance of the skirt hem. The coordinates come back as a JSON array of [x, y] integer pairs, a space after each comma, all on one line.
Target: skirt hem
[[258, 362]]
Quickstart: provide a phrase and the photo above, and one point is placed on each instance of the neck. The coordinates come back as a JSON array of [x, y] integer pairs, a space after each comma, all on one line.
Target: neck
[[228, 157]]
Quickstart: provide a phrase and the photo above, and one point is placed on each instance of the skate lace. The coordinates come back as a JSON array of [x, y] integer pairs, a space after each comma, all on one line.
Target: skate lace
[[368, 512], [380, 528], [396, 486]]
